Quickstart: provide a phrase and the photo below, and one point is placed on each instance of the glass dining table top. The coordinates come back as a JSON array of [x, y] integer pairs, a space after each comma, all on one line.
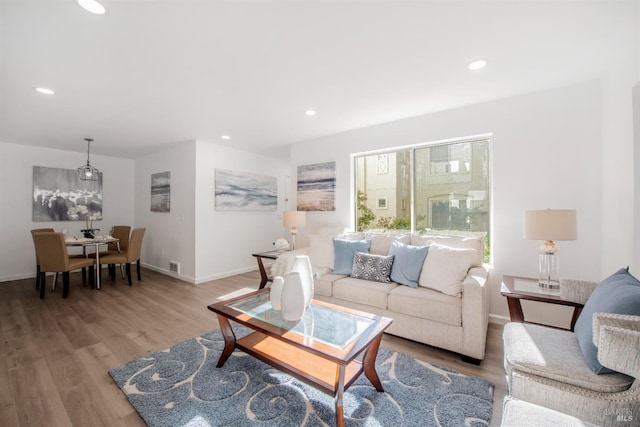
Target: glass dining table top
[[330, 326]]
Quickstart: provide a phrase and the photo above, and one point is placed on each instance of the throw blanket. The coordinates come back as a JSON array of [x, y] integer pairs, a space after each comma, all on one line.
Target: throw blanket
[[284, 263]]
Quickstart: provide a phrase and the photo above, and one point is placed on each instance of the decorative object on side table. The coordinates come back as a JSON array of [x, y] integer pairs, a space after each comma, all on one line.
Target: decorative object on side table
[[281, 245], [550, 225], [293, 220]]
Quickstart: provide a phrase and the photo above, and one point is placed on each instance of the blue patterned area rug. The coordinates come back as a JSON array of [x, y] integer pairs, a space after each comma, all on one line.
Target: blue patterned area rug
[[181, 386]]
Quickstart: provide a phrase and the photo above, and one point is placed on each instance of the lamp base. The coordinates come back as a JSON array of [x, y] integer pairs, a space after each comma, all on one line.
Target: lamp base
[[549, 269]]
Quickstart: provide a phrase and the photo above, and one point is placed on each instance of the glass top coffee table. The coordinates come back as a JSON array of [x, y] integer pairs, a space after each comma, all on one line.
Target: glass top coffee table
[[320, 349]]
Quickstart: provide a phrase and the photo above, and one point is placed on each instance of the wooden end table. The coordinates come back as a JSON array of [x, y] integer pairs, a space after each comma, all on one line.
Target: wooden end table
[[320, 349], [516, 288], [264, 277]]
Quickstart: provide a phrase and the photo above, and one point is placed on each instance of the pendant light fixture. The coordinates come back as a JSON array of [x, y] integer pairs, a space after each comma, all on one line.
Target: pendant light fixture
[[88, 172]]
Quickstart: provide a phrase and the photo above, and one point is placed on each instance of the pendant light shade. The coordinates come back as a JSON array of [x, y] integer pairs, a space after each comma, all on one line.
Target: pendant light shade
[[88, 172]]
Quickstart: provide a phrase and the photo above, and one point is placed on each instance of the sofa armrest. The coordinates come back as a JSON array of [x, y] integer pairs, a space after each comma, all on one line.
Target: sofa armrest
[[475, 311], [576, 290], [617, 337]]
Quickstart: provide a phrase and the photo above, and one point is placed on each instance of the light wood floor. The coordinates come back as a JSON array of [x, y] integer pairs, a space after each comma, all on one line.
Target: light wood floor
[[55, 353]]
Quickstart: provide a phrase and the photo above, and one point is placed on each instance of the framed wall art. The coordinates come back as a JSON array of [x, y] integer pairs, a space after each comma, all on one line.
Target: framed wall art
[[60, 195], [317, 187], [241, 191], [161, 192]]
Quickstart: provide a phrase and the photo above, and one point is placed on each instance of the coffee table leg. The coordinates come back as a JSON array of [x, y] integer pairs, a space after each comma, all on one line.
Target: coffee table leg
[[369, 362], [340, 392], [229, 340]]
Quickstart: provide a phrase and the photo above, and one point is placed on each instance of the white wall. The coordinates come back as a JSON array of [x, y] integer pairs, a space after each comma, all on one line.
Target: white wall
[[546, 153], [169, 236], [225, 240], [16, 189], [208, 244]]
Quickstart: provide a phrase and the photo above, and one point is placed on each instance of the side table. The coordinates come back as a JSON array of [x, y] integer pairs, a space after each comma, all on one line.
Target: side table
[[516, 288], [264, 277]]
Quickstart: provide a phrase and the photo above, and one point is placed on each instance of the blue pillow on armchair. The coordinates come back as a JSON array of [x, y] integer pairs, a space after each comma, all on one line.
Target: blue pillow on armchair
[[619, 294], [344, 250]]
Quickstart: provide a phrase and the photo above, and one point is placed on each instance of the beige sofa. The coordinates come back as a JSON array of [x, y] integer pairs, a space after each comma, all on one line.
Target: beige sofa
[[455, 322]]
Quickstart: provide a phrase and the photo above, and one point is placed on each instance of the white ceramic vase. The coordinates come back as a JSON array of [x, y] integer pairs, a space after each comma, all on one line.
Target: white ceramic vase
[[275, 295], [292, 298], [302, 265]]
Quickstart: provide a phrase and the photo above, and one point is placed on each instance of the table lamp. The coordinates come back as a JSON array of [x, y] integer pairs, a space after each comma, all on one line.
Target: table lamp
[[293, 220], [550, 225]]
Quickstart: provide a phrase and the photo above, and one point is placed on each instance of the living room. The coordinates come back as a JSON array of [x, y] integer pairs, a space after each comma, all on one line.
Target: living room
[[567, 144]]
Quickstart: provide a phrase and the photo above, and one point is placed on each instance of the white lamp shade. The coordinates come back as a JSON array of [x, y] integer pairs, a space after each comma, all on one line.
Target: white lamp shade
[[551, 224], [294, 219]]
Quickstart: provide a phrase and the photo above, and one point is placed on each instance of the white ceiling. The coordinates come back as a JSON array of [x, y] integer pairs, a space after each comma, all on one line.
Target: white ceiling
[[152, 73]]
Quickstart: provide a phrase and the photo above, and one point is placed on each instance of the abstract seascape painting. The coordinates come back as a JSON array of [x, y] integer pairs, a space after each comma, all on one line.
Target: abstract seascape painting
[[241, 191], [317, 187], [60, 195], [161, 192]]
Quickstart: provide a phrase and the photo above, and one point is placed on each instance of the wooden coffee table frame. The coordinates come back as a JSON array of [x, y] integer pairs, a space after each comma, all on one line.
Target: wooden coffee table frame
[[322, 366]]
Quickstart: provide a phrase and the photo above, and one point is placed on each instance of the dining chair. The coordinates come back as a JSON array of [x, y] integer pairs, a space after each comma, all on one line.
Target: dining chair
[[122, 233], [51, 251], [33, 231], [127, 257]]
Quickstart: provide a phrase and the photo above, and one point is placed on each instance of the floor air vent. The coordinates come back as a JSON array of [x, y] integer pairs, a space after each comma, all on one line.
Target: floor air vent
[[174, 266]]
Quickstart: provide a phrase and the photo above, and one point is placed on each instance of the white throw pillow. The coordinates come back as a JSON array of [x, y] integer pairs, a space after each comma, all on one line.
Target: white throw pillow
[[465, 242], [381, 242], [321, 250], [445, 268]]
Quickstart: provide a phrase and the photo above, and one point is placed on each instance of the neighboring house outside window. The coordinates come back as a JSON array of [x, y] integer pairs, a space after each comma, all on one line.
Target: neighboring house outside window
[[440, 187]]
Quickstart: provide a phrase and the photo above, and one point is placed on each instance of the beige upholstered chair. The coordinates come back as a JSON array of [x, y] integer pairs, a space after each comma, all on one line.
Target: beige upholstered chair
[[546, 367], [52, 255], [39, 230], [120, 232], [127, 257]]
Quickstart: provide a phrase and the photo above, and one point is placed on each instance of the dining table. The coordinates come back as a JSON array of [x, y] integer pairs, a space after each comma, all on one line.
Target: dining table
[[95, 242]]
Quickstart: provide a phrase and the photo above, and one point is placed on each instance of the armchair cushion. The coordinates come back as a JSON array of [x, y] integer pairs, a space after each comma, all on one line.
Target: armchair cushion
[[554, 354], [619, 294]]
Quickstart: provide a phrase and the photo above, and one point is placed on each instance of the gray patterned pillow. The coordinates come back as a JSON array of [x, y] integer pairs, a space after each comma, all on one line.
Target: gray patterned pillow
[[372, 267]]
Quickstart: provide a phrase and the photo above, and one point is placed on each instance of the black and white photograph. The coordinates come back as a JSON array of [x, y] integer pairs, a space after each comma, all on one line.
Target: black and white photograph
[[60, 195], [161, 192]]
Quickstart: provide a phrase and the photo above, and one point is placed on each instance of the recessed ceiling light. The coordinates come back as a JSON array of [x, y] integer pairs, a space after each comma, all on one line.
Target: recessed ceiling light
[[92, 6], [45, 91], [478, 64], [310, 113], [225, 137]]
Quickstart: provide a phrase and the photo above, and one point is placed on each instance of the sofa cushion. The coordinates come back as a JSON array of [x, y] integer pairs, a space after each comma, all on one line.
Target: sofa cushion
[[323, 285], [618, 293], [321, 251], [445, 268], [344, 251], [554, 354], [364, 292], [381, 242], [426, 304], [461, 242], [407, 263], [372, 267]]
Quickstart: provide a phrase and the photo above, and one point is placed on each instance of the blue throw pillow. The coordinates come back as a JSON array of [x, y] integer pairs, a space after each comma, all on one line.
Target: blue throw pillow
[[619, 294], [408, 263], [344, 251]]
